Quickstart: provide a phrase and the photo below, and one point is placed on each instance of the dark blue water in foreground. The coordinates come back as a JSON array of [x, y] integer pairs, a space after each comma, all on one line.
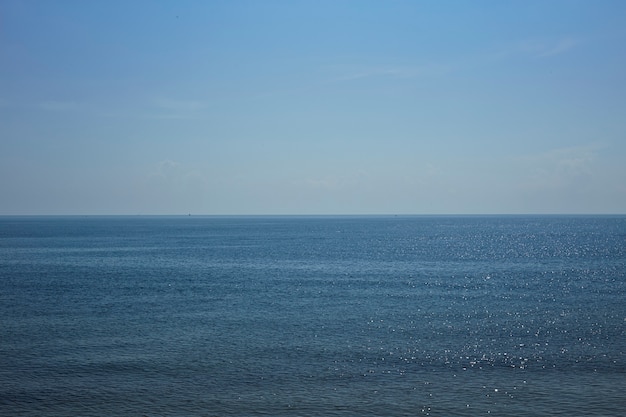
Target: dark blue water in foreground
[[306, 316]]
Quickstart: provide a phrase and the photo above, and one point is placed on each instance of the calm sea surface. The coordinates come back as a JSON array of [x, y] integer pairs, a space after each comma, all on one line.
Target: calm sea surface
[[313, 316]]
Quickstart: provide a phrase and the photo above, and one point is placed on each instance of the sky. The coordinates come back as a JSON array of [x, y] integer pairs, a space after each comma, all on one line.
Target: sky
[[312, 107]]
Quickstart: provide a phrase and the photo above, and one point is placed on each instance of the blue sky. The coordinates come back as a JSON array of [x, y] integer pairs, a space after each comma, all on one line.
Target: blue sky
[[312, 107]]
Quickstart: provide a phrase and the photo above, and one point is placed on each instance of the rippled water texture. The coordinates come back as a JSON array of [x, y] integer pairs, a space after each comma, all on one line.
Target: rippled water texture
[[313, 316]]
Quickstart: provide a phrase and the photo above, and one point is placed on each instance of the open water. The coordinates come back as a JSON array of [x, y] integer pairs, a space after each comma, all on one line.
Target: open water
[[313, 316]]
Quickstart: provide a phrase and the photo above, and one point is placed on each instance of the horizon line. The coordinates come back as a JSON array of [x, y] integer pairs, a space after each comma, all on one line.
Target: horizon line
[[305, 214]]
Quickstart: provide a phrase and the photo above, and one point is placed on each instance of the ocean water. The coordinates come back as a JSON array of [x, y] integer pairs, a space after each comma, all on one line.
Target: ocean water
[[313, 316]]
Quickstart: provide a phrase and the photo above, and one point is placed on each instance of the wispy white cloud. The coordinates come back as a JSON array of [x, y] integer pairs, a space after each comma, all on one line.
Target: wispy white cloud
[[333, 182], [169, 186], [536, 48], [562, 167], [543, 48], [166, 168], [578, 179], [167, 116], [173, 171], [532, 48], [179, 105], [391, 72], [167, 108], [60, 106]]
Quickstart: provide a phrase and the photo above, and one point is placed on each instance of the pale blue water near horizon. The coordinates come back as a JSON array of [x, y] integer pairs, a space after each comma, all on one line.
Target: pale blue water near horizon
[[313, 316]]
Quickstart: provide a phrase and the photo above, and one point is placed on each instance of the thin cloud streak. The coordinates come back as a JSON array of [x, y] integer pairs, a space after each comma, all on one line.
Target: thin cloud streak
[[544, 48], [179, 105], [60, 106], [536, 48], [394, 72], [562, 167], [173, 109]]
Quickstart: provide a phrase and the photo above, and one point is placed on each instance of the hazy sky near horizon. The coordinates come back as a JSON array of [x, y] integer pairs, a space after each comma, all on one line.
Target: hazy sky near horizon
[[312, 107]]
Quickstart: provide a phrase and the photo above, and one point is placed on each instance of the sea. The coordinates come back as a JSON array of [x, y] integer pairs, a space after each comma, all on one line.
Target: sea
[[313, 316]]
